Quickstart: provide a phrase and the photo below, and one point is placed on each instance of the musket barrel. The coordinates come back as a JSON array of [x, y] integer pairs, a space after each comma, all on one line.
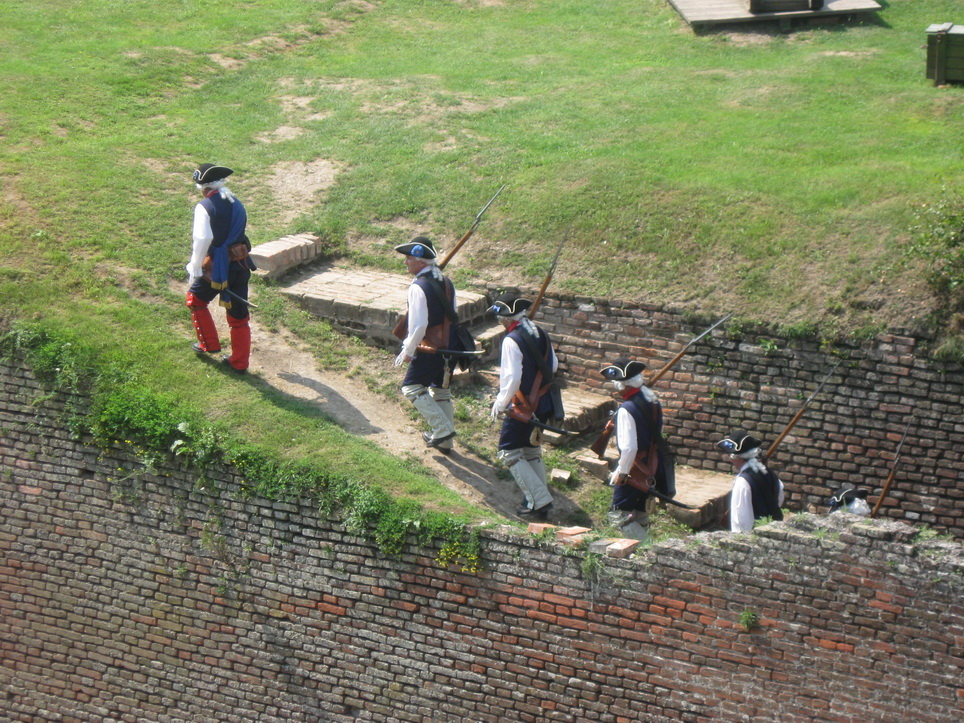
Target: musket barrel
[[893, 471], [545, 283], [672, 362], [468, 234], [798, 415]]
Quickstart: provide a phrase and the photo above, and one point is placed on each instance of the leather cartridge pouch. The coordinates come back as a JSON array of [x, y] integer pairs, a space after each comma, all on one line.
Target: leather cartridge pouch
[[639, 480], [238, 252], [642, 477]]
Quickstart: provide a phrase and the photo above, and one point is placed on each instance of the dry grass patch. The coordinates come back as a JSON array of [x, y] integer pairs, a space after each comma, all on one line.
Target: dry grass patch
[[295, 185], [281, 133]]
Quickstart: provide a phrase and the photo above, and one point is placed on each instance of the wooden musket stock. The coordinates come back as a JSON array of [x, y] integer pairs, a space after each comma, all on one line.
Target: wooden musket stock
[[893, 471], [797, 416]]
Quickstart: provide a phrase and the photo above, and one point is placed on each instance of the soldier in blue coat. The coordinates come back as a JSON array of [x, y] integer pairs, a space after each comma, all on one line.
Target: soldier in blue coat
[[522, 396], [220, 266]]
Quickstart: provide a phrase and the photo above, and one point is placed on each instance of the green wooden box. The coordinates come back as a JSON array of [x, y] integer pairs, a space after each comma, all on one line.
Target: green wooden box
[[777, 6], [945, 53]]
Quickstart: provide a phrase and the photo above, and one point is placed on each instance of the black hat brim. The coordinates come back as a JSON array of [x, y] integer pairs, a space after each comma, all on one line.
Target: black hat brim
[[208, 173]]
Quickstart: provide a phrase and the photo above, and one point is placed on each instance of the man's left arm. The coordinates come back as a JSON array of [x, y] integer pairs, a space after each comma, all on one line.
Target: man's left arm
[[626, 443], [741, 506]]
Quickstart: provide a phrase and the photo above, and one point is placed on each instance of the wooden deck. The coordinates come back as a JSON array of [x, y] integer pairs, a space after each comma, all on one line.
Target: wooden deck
[[715, 12]]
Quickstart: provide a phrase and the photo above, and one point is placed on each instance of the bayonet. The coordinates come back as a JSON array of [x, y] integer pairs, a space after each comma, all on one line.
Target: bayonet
[[468, 234]]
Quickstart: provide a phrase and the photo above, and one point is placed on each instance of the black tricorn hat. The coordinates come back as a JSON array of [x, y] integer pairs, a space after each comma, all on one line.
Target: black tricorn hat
[[622, 369], [209, 173], [739, 443], [509, 304], [419, 247], [846, 495]]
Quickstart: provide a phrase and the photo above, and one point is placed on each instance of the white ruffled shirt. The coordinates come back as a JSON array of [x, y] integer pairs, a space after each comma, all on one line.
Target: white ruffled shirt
[[203, 235]]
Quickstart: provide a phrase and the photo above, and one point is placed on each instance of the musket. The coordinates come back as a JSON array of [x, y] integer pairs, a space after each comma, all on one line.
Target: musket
[[401, 328], [530, 312], [519, 409], [893, 470], [646, 488], [602, 442], [659, 495], [468, 234], [672, 362], [528, 418], [534, 421], [796, 417]]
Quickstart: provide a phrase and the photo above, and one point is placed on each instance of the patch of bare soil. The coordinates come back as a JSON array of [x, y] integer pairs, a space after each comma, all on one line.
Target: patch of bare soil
[[295, 185], [279, 361]]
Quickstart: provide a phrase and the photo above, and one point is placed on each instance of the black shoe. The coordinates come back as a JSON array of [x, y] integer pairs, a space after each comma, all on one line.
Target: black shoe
[[197, 347], [431, 442], [226, 361], [541, 514]]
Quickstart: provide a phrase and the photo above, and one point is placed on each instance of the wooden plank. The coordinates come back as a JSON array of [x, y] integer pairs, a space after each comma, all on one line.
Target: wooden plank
[[709, 12]]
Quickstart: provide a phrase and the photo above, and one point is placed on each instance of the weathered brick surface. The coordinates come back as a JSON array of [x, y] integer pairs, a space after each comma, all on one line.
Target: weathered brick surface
[[759, 381], [276, 258], [135, 595]]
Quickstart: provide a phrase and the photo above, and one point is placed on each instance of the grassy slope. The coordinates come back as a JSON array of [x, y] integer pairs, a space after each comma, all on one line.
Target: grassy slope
[[770, 174]]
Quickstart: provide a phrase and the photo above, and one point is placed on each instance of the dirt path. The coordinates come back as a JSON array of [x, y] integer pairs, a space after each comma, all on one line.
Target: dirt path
[[278, 359]]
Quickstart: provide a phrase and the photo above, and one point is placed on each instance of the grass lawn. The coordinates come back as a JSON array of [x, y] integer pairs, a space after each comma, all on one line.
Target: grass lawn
[[776, 175]]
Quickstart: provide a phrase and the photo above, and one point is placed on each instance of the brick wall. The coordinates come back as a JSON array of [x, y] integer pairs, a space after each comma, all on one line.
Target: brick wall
[[758, 382], [135, 595]]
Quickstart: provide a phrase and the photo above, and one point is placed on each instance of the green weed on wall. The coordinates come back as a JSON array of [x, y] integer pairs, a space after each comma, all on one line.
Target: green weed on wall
[[123, 411]]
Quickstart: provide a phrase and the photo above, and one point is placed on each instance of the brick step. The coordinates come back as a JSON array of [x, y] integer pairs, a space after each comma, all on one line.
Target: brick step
[[368, 303], [365, 302], [708, 492]]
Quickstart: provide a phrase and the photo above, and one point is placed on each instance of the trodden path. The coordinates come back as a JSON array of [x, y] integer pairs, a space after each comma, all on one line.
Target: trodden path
[[278, 361]]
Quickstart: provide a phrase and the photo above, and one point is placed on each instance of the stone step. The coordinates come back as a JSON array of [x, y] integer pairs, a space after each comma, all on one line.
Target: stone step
[[365, 302], [489, 336], [276, 258], [708, 491], [584, 410]]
